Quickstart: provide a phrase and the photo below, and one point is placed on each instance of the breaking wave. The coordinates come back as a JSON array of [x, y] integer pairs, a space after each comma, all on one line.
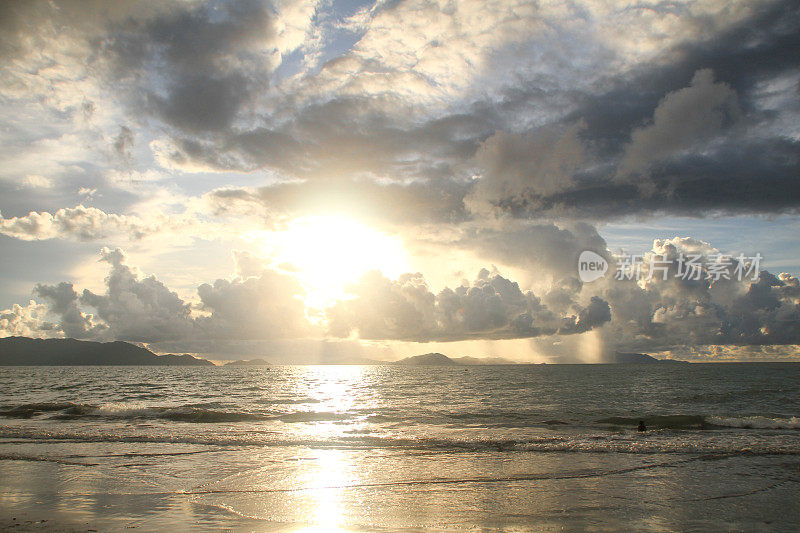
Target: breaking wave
[[214, 412], [755, 422], [185, 413], [704, 422], [584, 443], [659, 421]]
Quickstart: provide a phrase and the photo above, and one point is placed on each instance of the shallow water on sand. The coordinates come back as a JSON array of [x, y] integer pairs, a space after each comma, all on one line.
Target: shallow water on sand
[[531, 447]]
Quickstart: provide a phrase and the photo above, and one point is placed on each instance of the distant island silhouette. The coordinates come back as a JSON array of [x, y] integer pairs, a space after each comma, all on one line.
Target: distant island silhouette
[[635, 358], [23, 351], [248, 362], [439, 359]]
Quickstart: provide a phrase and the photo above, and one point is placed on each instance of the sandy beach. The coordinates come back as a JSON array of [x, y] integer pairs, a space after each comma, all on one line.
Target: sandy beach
[[157, 487]]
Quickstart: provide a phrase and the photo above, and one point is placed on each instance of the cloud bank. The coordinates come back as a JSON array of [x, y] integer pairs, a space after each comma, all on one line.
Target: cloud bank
[[504, 135]]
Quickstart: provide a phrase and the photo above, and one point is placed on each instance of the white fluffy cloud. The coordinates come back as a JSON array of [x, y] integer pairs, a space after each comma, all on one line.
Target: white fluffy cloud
[[661, 313], [142, 309], [266, 306], [135, 308], [26, 321], [492, 307], [668, 310], [80, 223]]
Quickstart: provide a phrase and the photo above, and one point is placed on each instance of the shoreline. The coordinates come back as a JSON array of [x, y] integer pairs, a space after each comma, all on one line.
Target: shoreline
[[171, 486]]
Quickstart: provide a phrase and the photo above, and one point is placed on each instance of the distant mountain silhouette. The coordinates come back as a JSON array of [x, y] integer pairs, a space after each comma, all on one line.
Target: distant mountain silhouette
[[467, 360], [439, 359], [23, 351], [247, 362], [628, 358]]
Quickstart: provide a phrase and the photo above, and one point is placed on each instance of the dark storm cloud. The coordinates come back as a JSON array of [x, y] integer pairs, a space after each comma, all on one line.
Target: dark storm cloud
[[760, 48], [735, 178], [686, 132], [202, 103], [727, 163], [520, 165], [123, 144], [593, 315], [196, 66], [742, 171], [204, 70], [342, 138], [542, 248], [684, 119]]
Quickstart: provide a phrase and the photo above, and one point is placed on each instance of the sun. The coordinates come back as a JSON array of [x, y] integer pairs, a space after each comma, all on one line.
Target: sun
[[327, 252]]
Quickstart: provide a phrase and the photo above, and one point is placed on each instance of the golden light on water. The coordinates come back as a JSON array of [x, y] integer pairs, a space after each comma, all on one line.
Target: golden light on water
[[328, 479], [326, 503], [333, 384]]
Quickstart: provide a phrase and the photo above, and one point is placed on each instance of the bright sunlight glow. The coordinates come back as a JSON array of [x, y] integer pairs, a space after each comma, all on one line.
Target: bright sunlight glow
[[326, 252]]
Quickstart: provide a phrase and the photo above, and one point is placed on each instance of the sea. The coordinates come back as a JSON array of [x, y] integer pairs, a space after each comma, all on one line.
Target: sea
[[402, 448]]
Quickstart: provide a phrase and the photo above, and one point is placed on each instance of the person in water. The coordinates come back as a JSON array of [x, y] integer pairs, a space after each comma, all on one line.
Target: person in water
[[641, 427]]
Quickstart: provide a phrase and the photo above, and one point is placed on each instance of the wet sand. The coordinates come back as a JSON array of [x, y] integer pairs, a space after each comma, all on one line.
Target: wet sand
[[156, 487]]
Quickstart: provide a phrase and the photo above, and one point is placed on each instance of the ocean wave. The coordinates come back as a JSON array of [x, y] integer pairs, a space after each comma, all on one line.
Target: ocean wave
[[186, 413], [311, 416], [659, 421], [28, 410], [286, 401], [175, 414], [703, 422], [217, 412], [587, 443], [755, 422]]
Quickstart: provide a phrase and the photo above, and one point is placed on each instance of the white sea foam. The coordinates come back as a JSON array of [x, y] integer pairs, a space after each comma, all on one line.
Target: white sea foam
[[712, 443], [755, 422]]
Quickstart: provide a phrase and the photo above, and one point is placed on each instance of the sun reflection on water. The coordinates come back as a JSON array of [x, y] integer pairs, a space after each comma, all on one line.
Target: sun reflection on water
[[335, 385], [326, 478], [328, 471]]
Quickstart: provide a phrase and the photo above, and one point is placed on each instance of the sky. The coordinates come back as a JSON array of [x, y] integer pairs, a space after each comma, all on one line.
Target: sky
[[323, 181]]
